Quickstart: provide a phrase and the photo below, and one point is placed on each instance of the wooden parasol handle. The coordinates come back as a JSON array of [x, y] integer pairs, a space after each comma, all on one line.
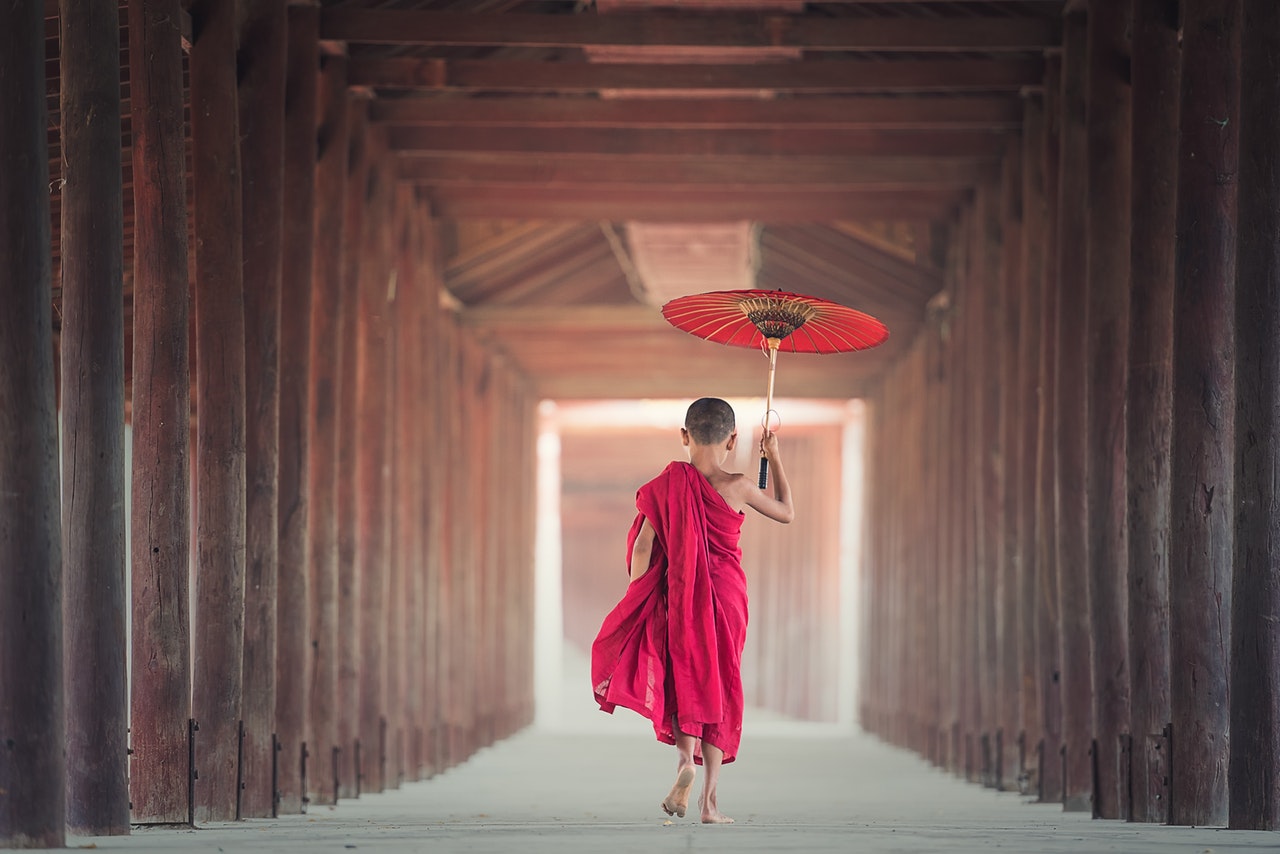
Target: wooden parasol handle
[[774, 343]]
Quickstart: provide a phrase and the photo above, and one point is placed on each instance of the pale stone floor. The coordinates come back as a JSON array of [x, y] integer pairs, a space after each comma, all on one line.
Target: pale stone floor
[[592, 783], [795, 788]]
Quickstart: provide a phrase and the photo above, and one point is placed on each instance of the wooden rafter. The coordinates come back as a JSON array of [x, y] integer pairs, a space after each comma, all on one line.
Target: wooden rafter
[[848, 76], [848, 113], [656, 30]]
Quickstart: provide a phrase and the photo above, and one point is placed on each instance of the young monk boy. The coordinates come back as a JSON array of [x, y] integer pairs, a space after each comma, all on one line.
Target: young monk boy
[[672, 648]]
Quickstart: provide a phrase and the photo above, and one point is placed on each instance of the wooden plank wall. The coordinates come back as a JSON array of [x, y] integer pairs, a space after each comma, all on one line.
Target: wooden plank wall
[[381, 621], [1131, 433]]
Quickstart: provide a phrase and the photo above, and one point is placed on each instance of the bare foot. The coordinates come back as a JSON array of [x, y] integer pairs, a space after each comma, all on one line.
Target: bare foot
[[711, 813], [677, 800]]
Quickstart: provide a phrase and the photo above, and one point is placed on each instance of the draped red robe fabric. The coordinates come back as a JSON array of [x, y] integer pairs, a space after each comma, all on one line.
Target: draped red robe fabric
[[673, 645]]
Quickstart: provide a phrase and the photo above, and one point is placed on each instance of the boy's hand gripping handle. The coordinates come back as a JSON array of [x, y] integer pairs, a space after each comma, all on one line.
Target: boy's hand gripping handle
[[764, 473]]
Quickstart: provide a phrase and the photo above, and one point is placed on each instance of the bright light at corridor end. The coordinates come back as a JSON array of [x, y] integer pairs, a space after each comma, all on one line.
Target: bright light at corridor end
[[561, 678]]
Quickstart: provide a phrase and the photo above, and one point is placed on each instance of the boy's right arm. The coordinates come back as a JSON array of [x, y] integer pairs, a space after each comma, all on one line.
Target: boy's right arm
[[642, 551]]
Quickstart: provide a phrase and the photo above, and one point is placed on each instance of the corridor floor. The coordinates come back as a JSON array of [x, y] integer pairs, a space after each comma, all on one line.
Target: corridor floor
[[794, 789]]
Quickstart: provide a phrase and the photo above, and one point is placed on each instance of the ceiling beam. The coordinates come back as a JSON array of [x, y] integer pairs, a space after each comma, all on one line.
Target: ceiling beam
[[851, 76], [702, 205], [849, 113], [677, 143], [558, 171], [661, 30]]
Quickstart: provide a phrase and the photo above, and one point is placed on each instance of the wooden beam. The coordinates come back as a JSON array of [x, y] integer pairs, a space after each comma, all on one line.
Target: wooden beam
[[1255, 593], [322, 424], [220, 398], [93, 520], [976, 112], [33, 773], [161, 381], [293, 639], [1071, 430], [1157, 62], [847, 76], [650, 141], [1109, 179], [371, 441], [1027, 372], [885, 173], [1204, 407], [707, 205], [261, 62], [660, 30], [1048, 637]]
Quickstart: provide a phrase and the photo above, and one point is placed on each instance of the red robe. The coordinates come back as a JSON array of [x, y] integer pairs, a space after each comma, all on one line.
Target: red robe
[[673, 645]]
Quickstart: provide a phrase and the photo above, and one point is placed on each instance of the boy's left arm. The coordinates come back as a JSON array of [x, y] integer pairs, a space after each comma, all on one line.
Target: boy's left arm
[[642, 551], [777, 506]]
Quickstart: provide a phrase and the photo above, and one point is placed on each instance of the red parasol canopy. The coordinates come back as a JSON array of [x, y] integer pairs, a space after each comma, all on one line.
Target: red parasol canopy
[[773, 321], [749, 318]]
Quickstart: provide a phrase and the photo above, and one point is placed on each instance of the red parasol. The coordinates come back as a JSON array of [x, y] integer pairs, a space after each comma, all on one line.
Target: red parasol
[[772, 321]]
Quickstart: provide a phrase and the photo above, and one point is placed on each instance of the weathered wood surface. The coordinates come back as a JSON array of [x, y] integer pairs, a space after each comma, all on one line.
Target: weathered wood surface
[[93, 481], [161, 499], [220, 397], [1071, 425], [958, 501], [293, 650], [989, 552], [407, 475], [326, 357], [371, 457], [732, 29], [1027, 417], [1254, 787], [1107, 299], [261, 65], [1156, 64], [31, 718], [349, 441], [1202, 470], [430, 517], [1007, 465], [1048, 615]]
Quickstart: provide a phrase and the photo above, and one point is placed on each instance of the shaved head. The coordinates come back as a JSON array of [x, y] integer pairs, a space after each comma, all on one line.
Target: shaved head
[[709, 420]]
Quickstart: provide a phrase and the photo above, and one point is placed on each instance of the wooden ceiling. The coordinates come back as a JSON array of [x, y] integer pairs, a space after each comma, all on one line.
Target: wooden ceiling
[[847, 133]]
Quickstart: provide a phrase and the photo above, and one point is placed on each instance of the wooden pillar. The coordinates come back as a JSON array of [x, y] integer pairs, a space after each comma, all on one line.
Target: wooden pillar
[[262, 65], [428, 644], [33, 773], [1107, 298], [407, 474], [1047, 616], [988, 332], [94, 601], [1203, 411], [349, 439], [161, 542], [298, 243], [966, 500], [371, 461], [1008, 676], [1156, 62], [957, 501], [1254, 773], [220, 407], [939, 452], [1072, 508], [399, 276], [1026, 419], [323, 386]]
